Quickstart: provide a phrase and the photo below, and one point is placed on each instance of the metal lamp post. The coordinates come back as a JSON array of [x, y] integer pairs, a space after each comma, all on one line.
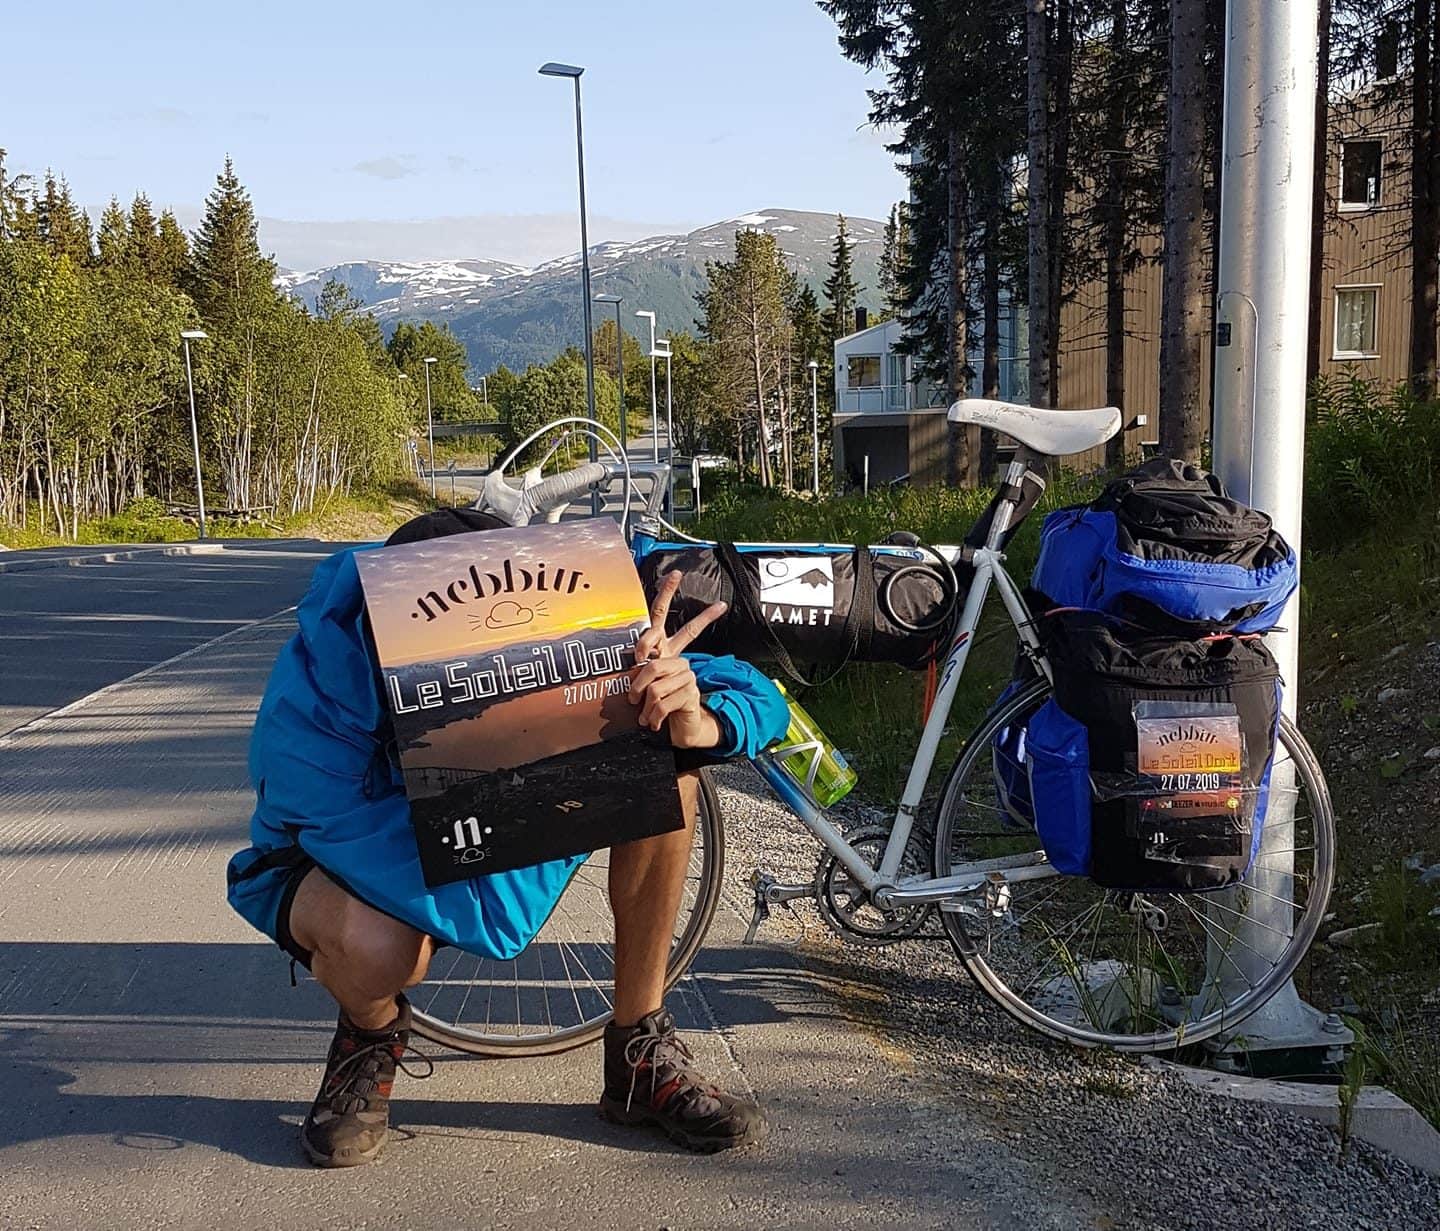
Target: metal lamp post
[[573, 72], [814, 426], [1259, 431], [619, 358], [414, 452], [186, 337], [669, 428], [430, 423], [654, 404]]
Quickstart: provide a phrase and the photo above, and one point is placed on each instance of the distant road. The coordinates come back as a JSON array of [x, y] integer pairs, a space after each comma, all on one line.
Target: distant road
[[73, 629]]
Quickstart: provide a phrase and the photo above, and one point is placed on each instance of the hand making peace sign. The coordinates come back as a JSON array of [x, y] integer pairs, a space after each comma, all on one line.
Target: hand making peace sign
[[662, 683]]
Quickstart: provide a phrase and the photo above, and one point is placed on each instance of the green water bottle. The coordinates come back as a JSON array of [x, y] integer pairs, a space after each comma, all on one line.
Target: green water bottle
[[808, 756]]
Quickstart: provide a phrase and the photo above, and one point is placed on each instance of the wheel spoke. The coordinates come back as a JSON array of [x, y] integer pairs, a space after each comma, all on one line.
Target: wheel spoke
[[1117, 952]]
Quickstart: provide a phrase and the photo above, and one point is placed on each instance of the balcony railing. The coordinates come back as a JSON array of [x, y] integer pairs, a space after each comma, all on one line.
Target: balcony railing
[[877, 399]]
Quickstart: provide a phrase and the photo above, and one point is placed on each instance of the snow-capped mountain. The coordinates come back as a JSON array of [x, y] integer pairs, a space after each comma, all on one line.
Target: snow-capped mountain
[[507, 314]]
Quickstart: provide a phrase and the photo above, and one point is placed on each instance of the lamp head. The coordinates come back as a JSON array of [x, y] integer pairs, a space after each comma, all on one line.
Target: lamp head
[[431, 359], [194, 334], [651, 315], [812, 365], [608, 299], [560, 70]]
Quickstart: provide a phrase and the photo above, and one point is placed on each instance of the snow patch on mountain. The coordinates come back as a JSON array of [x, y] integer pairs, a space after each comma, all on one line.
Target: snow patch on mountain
[[513, 314]]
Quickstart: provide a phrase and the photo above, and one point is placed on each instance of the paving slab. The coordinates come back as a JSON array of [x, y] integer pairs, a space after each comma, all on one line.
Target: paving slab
[[157, 1062]]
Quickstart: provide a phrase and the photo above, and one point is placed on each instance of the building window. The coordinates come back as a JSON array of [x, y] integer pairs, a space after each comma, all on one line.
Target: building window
[[1356, 313], [1360, 174], [864, 372]]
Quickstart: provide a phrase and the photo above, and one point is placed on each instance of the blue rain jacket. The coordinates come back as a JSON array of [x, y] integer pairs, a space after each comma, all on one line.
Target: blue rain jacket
[[325, 781]]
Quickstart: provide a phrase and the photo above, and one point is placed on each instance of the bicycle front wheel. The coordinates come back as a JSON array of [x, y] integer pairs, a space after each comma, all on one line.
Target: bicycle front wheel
[[1137, 972], [558, 993]]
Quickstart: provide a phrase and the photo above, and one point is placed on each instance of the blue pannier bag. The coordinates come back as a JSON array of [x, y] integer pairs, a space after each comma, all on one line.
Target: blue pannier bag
[[1162, 544]]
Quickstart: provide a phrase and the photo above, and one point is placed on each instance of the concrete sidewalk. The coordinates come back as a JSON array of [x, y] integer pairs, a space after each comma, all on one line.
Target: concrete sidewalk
[[157, 1062]]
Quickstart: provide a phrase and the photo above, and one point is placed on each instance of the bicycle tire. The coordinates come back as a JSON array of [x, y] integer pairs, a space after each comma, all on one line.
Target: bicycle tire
[[1225, 1018], [710, 837]]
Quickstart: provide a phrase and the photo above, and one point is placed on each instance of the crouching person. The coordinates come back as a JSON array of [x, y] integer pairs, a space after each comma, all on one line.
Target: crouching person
[[333, 873]]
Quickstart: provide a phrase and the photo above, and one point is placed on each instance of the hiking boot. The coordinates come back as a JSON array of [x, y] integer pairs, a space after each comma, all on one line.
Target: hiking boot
[[649, 1080], [350, 1118]]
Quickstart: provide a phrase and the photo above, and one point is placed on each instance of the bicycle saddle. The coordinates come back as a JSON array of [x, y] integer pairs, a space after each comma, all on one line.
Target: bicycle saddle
[[1055, 433]]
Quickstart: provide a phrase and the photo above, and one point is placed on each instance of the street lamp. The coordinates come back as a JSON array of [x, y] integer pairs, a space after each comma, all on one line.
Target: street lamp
[[669, 429], [573, 72], [430, 424], [654, 404], [814, 367], [414, 452], [186, 337], [619, 359]]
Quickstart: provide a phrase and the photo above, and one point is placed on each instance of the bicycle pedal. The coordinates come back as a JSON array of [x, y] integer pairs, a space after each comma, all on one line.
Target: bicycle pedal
[[761, 914]]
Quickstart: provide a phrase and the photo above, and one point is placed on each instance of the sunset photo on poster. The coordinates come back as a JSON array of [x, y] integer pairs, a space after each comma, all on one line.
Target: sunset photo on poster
[[506, 660]]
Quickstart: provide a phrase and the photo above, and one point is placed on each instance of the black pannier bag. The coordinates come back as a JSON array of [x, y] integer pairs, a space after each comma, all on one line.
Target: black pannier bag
[[818, 606], [1149, 767]]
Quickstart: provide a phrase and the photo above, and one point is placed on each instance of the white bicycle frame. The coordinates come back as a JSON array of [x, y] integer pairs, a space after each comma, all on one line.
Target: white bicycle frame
[[880, 883], [988, 564]]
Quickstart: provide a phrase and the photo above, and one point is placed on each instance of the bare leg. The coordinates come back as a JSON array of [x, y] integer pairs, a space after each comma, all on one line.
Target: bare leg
[[362, 957], [646, 881]]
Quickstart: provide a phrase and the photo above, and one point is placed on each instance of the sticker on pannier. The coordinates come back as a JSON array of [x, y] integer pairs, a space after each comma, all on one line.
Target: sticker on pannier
[[1191, 801]]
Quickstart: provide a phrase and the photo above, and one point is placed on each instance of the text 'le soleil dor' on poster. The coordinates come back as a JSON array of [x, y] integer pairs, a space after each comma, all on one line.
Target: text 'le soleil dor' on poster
[[505, 656]]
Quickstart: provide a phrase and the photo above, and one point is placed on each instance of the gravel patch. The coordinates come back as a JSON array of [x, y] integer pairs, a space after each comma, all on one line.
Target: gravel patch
[[1152, 1150]]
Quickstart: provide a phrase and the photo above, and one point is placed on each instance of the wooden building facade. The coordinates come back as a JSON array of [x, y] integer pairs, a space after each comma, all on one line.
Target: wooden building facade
[[1364, 323]]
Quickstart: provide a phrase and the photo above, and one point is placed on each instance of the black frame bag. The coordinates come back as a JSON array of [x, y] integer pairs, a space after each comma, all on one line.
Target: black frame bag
[[1188, 830]]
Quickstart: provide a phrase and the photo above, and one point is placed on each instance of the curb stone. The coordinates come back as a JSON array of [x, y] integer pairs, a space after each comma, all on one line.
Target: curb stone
[[109, 557], [1381, 1117]]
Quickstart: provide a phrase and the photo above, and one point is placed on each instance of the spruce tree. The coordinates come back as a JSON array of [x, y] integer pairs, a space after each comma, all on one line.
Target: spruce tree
[[65, 229], [893, 255], [113, 237], [229, 274], [841, 289], [172, 251], [143, 248]]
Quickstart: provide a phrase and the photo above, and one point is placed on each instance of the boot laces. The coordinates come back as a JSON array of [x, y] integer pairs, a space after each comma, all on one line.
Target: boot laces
[[354, 1080], [655, 1050]]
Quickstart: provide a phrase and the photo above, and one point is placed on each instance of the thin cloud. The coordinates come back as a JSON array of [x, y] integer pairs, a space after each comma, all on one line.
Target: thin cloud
[[389, 167]]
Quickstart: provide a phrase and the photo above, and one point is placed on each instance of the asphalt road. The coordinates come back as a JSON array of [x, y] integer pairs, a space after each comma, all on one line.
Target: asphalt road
[[157, 1062], [71, 629]]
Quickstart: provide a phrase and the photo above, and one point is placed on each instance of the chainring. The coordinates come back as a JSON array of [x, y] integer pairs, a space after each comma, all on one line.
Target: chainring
[[846, 908]]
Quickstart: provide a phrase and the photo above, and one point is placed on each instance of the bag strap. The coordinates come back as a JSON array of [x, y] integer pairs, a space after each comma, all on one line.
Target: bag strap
[[855, 633]]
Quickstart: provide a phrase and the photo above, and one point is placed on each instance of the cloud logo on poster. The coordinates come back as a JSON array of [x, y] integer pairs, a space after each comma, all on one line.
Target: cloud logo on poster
[[510, 614]]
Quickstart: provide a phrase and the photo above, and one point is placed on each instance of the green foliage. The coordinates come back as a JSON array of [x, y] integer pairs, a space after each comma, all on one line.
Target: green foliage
[[841, 289], [94, 410], [452, 400], [746, 319], [1372, 460], [555, 390]]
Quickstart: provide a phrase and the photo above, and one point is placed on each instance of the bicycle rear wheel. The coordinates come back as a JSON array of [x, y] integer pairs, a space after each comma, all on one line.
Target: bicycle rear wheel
[[1134, 972], [558, 993]]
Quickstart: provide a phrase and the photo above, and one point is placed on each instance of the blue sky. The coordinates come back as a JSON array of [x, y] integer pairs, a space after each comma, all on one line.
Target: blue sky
[[379, 115]]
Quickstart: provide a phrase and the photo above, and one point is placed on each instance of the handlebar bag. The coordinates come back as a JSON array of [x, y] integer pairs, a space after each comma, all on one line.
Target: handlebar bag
[[824, 605], [1165, 742], [1167, 543]]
